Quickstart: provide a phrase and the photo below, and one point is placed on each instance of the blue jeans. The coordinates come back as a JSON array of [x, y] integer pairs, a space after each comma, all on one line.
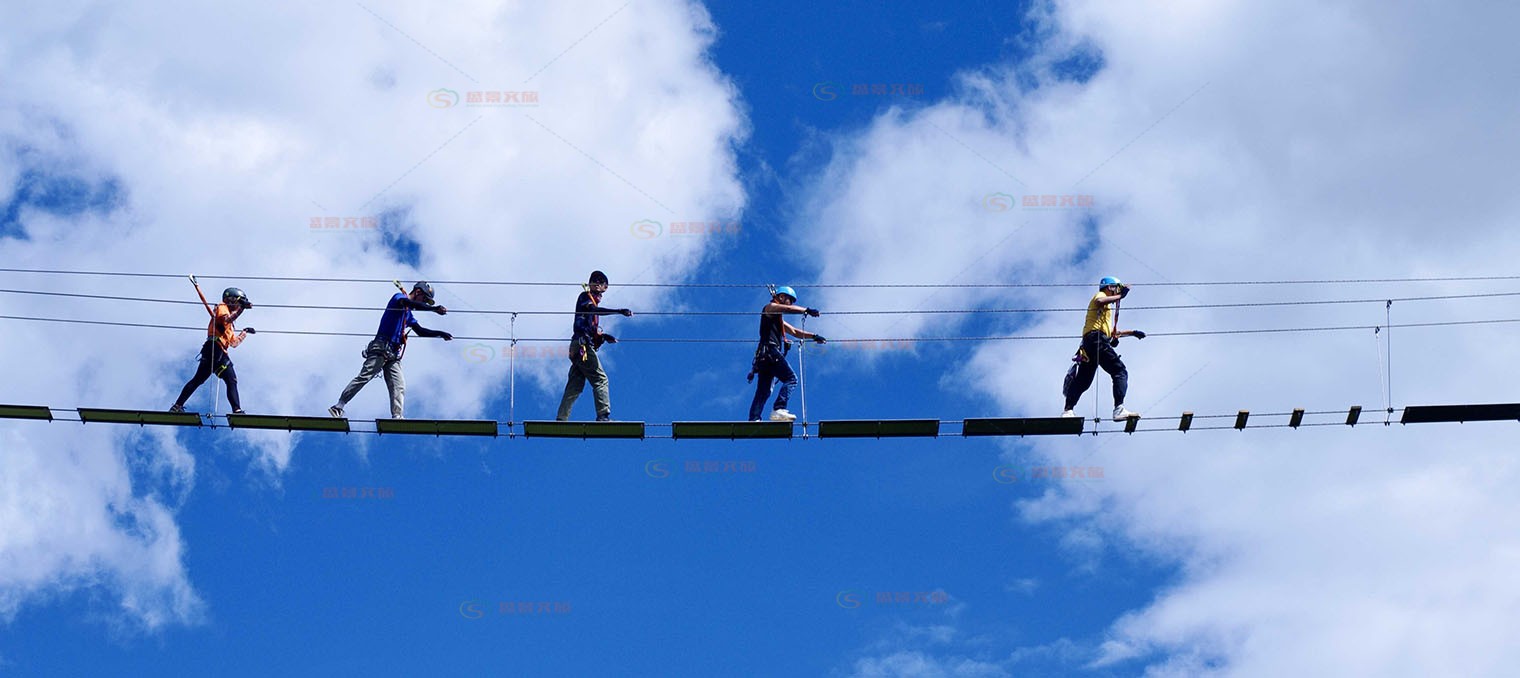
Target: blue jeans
[[765, 372]]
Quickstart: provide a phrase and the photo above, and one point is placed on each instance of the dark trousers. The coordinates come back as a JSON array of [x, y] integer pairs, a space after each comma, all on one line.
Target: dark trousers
[[213, 360], [765, 372], [1099, 354]]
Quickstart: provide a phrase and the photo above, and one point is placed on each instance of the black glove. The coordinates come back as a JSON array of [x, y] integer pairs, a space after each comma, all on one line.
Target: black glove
[[626, 313], [249, 330], [1113, 341], [1123, 291], [812, 312], [1137, 334], [609, 338], [445, 336], [818, 339], [750, 378], [440, 310]]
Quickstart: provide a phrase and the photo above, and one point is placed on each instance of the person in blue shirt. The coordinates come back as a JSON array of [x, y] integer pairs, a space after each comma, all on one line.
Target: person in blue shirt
[[588, 337], [770, 356], [383, 354]]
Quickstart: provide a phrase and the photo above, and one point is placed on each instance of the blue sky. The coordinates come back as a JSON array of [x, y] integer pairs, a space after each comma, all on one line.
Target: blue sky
[[175, 552], [690, 573]]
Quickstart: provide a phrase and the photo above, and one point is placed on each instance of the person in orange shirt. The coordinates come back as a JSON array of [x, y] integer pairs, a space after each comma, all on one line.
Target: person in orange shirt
[[220, 336]]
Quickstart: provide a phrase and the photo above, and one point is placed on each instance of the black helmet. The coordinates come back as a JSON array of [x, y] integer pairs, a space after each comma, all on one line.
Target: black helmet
[[425, 288], [598, 278], [233, 295]]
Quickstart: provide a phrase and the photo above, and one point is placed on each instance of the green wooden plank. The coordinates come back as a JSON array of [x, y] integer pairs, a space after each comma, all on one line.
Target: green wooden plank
[[438, 427], [282, 423], [1039, 426], [885, 428], [1430, 414], [731, 430], [26, 412], [110, 416], [583, 429]]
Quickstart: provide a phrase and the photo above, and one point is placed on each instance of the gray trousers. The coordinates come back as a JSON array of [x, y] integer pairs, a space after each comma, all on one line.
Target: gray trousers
[[582, 371], [378, 358]]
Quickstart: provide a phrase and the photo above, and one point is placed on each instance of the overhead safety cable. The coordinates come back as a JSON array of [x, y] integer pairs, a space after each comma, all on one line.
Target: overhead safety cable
[[698, 340], [526, 283], [1250, 304]]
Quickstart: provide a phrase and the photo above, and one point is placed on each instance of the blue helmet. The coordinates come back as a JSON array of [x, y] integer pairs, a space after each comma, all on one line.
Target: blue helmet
[[787, 291], [1109, 281]]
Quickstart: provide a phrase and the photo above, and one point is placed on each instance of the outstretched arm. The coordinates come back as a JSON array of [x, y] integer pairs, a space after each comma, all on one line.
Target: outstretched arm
[[427, 333], [408, 302], [774, 307], [209, 311], [590, 307], [800, 333]]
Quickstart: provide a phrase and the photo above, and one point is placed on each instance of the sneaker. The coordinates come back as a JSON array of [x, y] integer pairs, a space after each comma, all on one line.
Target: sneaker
[[604, 417], [1120, 414], [335, 411], [1068, 414], [782, 415], [239, 412], [177, 409]]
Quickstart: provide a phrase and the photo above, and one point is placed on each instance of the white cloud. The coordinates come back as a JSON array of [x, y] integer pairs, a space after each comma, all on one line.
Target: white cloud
[[227, 129], [920, 665], [1233, 141]]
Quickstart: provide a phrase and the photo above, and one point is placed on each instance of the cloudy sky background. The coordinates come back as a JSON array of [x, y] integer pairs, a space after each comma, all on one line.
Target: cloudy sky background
[[1220, 141]]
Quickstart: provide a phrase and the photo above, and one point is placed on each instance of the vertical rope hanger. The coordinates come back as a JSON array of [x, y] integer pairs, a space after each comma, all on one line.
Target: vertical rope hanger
[[801, 373], [1388, 399], [512, 379]]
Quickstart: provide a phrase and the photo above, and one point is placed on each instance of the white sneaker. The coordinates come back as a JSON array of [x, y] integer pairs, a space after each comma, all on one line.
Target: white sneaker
[[1068, 414], [1120, 414], [782, 415], [335, 411]]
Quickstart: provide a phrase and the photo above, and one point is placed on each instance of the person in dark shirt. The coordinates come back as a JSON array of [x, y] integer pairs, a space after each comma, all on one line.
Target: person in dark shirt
[[588, 337], [770, 356], [383, 354]]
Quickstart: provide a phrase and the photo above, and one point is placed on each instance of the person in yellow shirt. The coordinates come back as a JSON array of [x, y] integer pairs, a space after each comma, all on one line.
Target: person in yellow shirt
[[1099, 336], [220, 336]]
